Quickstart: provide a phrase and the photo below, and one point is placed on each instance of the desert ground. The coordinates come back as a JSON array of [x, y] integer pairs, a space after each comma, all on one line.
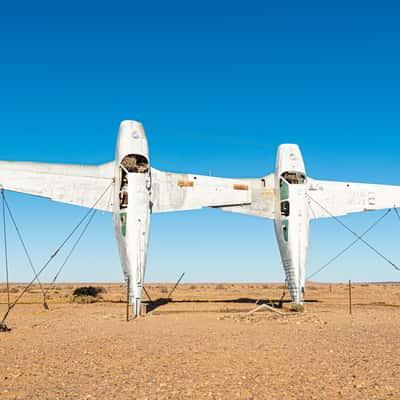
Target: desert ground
[[202, 345]]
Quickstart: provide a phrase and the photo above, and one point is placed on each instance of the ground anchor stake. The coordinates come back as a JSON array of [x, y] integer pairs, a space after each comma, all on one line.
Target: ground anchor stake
[[4, 327], [350, 302]]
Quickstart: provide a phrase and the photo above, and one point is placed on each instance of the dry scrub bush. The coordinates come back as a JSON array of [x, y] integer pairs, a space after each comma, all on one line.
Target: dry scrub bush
[[12, 290], [264, 286], [87, 295], [220, 286]]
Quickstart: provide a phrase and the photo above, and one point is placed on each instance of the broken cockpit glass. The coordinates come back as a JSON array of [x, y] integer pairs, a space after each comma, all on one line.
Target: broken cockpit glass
[[135, 163], [131, 164], [294, 178]]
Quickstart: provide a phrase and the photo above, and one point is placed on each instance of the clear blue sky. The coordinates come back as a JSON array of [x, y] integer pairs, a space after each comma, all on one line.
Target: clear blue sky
[[218, 85]]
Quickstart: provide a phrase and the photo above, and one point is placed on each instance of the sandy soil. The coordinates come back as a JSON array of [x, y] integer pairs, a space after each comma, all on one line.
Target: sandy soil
[[204, 349]]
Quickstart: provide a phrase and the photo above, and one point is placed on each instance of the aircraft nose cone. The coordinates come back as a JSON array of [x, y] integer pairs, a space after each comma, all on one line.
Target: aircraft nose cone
[[131, 140], [132, 129]]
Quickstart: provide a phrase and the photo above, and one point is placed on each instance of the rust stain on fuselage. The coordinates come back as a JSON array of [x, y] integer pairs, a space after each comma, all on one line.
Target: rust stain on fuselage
[[185, 183], [240, 187]]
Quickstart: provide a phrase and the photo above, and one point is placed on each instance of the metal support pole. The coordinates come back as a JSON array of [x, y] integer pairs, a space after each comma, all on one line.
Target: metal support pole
[[350, 302], [128, 287], [6, 248]]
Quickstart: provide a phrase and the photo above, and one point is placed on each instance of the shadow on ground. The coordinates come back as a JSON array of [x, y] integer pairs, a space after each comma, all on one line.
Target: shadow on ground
[[276, 303]]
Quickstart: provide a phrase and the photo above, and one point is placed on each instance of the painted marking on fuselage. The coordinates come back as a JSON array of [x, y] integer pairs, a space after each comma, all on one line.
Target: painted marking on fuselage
[[123, 218], [185, 183], [240, 187]]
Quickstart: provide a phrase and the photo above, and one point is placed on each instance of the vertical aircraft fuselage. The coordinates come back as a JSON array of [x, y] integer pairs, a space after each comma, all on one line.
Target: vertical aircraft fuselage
[[291, 217], [131, 215]]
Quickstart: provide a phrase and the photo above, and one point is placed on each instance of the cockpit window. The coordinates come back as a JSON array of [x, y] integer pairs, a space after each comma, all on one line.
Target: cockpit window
[[285, 208], [131, 164], [135, 163], [294, 178]]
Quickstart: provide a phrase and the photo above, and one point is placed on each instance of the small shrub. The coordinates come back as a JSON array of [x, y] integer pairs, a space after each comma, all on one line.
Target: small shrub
[[220, 286], [86, 295], [193, 287], [88, 291], [163, 290]]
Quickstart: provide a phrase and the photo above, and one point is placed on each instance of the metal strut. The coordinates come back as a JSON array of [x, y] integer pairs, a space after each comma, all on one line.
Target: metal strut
[[358, 238], [70, 253], [3, 326], [13, 304], [397, 212], [176, 285], [13, 220]]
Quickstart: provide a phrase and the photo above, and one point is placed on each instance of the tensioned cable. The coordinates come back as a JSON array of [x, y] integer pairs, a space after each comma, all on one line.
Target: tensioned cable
[[349, 246], [397, 213], [284, 290], [376, 251], [71, 252], [5, 248], [24, 247], [11, 306]]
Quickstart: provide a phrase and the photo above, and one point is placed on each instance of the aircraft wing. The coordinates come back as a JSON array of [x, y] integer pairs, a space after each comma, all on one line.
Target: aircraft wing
[[178, 192], [262, 198], [328, 198], [72, 184]]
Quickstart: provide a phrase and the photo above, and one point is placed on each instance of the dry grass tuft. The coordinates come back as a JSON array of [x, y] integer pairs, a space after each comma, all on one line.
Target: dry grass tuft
[[83, 299]]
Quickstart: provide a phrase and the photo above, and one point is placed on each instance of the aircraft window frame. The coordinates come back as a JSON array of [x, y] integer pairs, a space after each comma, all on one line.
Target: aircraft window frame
[[285, 208]]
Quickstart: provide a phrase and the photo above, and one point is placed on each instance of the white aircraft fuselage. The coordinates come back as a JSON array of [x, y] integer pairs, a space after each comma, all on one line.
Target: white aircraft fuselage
[[292, 223], [131, 214]]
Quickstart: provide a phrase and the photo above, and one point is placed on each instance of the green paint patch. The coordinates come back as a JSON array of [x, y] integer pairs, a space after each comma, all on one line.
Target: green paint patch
[[285, 229], [284, 190], [123, 218]]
